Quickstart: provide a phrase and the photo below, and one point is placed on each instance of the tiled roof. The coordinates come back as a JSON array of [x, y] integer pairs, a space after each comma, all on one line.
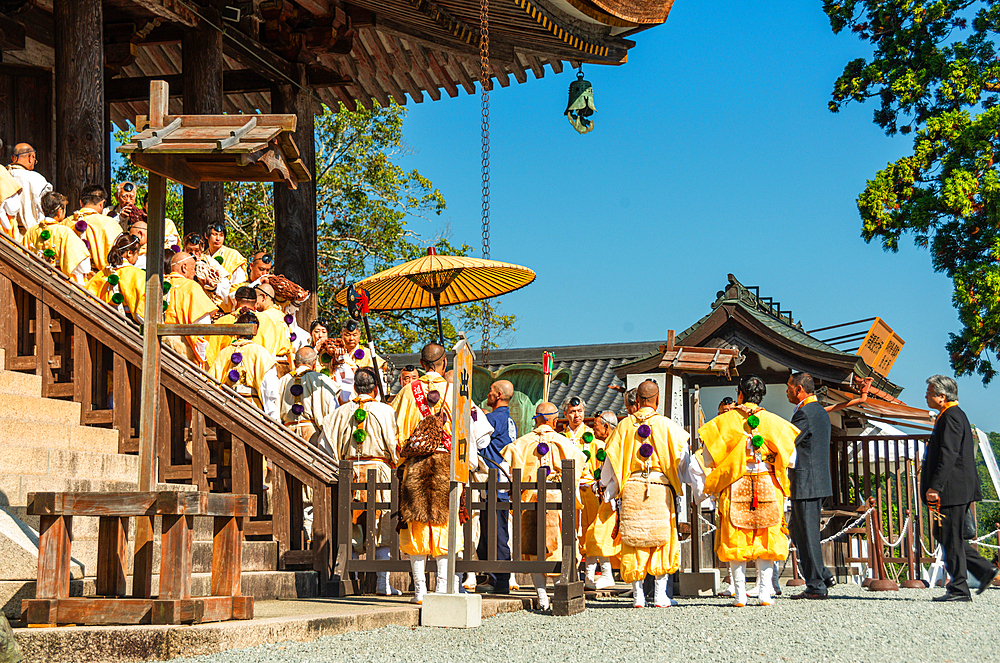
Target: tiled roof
[[590, 367]]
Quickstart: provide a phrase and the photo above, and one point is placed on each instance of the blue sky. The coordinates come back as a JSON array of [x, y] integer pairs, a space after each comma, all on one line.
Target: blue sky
[[714, 152]]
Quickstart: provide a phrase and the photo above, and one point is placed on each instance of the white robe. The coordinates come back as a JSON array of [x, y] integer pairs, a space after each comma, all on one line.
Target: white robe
[[319, 403], [29, 201]]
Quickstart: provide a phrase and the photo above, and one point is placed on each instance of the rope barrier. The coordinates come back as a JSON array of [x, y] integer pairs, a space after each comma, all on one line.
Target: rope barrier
[[899, 539], [850, 526], [704, 534]]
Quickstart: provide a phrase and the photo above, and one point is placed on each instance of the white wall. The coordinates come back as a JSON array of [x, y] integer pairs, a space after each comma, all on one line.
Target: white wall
[[774, 400]]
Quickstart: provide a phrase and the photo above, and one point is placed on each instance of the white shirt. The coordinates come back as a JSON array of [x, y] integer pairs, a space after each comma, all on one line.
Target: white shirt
[[29, 204]]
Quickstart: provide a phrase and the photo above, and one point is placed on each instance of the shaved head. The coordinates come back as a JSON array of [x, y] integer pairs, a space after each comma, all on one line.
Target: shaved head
[[433, 357], [504, 388], [546, 413], [647, 390], [306, 356]]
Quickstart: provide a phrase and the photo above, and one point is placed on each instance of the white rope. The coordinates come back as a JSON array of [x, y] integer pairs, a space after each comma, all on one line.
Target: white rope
[[986, 536], [850, 526], [899, 539], [927, 552], [987, 545], [704, 534]]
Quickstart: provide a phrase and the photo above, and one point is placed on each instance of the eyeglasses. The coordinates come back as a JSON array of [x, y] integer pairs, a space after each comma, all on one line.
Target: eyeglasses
[[128, 187], [22, 154]]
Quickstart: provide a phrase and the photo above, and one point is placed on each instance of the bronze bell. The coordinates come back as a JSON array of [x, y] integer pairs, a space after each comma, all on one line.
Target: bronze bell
[[581, 104]]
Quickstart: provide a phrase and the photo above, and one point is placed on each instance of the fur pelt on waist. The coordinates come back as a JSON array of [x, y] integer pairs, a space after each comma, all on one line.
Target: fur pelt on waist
[[423, 492]]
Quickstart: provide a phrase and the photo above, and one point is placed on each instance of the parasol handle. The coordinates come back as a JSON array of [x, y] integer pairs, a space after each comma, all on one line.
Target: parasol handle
[[371, 348]]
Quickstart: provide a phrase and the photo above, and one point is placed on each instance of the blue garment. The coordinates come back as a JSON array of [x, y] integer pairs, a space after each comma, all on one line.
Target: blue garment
[[504, 432]]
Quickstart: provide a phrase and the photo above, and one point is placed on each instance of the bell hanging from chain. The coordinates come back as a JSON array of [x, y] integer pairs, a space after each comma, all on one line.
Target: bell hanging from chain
[[581, 103]]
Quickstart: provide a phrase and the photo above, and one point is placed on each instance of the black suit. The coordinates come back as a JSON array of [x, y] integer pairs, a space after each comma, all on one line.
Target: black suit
[[950, 469], [811, 484]]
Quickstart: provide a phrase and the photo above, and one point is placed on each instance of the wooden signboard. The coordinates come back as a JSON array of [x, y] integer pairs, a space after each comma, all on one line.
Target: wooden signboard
[[461, 390], [880, 347]]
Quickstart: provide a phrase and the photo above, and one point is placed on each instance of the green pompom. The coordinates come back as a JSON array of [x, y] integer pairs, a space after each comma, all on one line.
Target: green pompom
[[753, 420], [588, 437], [326, 358], [117, 298], [597, 474], [601, 455], [360, 415], [757, 441], [359, 436], [218, 259], [49, 253], [166, 287], [326, 372], [45, 235], [114, 279], [165, 305], [586, 452]]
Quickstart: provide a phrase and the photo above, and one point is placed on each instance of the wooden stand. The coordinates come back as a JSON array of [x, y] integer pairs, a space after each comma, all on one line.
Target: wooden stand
[[796, 580], [174, 605]]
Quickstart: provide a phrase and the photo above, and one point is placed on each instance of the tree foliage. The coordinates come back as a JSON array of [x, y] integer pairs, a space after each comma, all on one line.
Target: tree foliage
[[934, 73], [371, 214]]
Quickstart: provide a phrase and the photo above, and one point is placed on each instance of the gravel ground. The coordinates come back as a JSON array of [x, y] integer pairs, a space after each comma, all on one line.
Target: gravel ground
[[853, 625]]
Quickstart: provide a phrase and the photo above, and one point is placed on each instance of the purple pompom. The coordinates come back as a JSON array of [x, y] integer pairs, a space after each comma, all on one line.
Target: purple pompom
[[644, 431], [291, 337], [289, 319], [433, 397], [297, 409], [237, 358], [86, 243], [359, 354], [175, 248], [234, 375], [475, 417], [81, 226], [542, 449], [296, 390], [646, 450], [548, 470]]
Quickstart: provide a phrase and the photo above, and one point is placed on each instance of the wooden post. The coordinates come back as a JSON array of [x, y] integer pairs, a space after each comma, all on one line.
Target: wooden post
[[79, 93], [295, 209], [143, 565], [202, 65]]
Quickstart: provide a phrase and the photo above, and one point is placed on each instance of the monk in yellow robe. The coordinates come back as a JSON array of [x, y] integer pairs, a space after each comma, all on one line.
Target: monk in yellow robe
[[55, 243], [647, 458], [231, 260], [426, 396], [97, 231], [9, 189], [249, 369], [267, 336], [186, 304], [747, 452], [544, 447], [121, 284], [282, 348], [599, 545]]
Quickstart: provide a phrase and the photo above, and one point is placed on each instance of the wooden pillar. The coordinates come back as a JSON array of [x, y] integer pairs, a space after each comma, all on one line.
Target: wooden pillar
[[80, 135], [295, 209], [201, 50]]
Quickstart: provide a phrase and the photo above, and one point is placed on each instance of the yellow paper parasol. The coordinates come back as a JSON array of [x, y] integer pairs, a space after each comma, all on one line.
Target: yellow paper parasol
[[434, 280]]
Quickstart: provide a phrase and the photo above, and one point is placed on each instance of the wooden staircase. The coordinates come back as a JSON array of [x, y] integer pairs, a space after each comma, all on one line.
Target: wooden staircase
[[69, 388]]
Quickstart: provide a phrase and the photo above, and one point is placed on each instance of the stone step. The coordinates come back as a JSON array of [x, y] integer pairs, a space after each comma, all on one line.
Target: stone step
[[14, 488], [27, 433], [70, 464], [35, 408], [263, 585], [24, 384]]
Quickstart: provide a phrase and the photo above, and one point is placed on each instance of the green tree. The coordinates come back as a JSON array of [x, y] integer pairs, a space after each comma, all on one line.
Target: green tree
[[988, 512], [371, 213], [934, 73]]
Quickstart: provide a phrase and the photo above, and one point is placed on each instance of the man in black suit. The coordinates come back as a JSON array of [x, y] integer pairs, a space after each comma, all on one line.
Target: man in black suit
[[810, 482], [948, 481]]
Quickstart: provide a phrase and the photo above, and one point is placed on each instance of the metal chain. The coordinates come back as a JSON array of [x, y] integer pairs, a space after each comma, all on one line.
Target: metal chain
[[850, 526], [484, 81]]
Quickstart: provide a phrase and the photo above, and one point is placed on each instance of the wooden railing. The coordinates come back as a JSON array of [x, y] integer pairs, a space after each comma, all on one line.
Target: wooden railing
[[885, 469], [208, 437]]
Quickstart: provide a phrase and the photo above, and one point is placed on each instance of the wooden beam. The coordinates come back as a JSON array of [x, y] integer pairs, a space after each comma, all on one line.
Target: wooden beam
[[174, 11], [315, 7], [257, 56], [11, 34]]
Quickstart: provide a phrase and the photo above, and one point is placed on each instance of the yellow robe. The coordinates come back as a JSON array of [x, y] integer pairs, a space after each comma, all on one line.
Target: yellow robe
[[69, 249], [422, 538], [669, 442], [597, 518], [522, 454], [726, 440], [281, 342], [8, 187], [131, 285], [101, 233], [232, 259], [267, 335], [186, 304], [255, 362]]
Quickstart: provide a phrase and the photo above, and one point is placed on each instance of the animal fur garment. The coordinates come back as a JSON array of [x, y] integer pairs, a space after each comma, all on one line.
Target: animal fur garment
[[423, 493], [553, 528], [743, 513], [646, 514]]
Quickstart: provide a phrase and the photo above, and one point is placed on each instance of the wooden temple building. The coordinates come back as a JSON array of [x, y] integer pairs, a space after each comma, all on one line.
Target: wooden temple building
[[70, 69]]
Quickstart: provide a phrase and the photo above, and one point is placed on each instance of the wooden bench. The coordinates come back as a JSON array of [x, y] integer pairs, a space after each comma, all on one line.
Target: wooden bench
[[174, 604]]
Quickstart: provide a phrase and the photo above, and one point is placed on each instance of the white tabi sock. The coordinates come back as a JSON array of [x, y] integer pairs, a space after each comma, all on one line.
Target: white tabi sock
[[607, 574], [638, 596], [419, 581], [382, 587], [441, 584], [538, 579], [765, 581], [739, 575], [660, 598], [591, 570]]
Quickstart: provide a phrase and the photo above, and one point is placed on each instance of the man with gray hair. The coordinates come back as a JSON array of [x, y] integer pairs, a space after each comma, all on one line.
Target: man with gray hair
[[574, 409], [949, 484]]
